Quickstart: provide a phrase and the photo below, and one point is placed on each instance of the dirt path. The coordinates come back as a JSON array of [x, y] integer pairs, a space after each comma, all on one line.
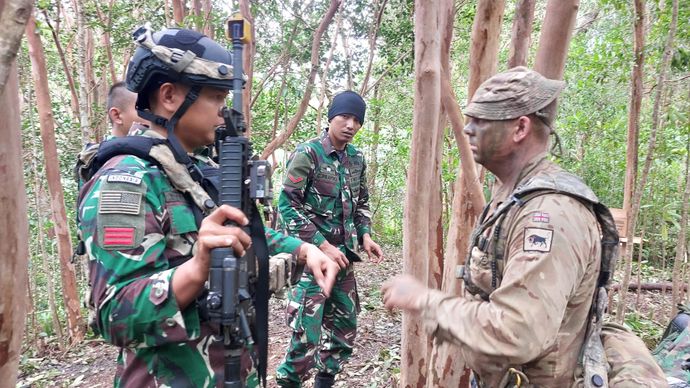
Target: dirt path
[[375, 361]]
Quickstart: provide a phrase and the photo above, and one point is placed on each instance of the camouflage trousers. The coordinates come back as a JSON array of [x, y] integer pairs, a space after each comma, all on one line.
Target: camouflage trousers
[[323, 329]]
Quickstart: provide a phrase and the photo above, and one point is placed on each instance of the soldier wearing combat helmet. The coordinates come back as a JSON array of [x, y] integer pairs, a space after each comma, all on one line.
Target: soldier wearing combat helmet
[[536, 263], [148, 224]]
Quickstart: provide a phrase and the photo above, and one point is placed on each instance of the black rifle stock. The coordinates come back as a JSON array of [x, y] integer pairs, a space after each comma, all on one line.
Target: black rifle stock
[[238, 286]]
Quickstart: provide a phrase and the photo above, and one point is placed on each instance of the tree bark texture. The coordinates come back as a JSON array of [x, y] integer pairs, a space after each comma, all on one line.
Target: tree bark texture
[[57, 202], [178, 11], [248, 65], [554, 41], [84, 123], [681, 246], [14, 249], [522, 33], [63, 59], [486, 32], [416, 223], [15, 14], [315, 46]]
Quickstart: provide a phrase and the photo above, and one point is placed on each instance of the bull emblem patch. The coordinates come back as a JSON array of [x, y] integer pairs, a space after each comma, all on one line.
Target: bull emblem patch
[[537, 240]]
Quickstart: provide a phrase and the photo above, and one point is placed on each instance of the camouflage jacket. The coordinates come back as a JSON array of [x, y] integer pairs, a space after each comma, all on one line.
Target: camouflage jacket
[[535, 316], [325, 196], [137, 229]]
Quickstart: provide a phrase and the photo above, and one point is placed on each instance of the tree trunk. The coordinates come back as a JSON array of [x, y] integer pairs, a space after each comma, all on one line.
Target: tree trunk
[[324, 74], [65, 66], [15, 14], [47, 273], [486, 32], [52, 163], [554, 41], [315, 45], [417, 224], [681, 246], [651, 146], [373, 33], [84, 123], [348, 60], [14, 248], [248, 66], [522, 33], [372, 160], [208, 26], [178, 11]]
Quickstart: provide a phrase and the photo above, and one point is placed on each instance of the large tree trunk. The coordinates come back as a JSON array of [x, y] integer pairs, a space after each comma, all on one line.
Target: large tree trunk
[[486, 32], [14, 249], [315, 45], [522, 33], [554, 41], [14, 15], [417, 221], [52, 163], [248, 66]]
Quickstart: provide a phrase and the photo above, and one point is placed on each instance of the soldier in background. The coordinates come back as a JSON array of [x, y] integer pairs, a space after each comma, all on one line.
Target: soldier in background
[[121, 111], [325, 201], [536, 260]]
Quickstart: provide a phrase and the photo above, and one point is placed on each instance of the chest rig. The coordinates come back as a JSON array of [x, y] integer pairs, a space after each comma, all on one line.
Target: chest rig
[[490, 250]]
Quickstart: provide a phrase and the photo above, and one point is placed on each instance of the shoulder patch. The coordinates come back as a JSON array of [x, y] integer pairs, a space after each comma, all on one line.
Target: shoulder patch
[[119, 202], [124, 178], [537, 240], [542, 217]]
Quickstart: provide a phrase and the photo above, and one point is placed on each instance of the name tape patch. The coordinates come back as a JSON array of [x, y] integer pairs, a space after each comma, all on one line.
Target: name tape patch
[[119, 202], [537, 240], [124, 178]]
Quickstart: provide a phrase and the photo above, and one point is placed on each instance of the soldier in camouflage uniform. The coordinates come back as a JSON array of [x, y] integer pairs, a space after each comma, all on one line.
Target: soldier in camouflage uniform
[[149, 257], [325, 201], [534, 265]]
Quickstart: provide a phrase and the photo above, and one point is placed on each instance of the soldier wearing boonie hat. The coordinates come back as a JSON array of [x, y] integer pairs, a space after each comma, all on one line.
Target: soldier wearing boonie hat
[[536, 264], [517, 92]]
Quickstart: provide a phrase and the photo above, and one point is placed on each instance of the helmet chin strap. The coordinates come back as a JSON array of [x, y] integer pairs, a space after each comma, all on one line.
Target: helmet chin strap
[[169, 124]]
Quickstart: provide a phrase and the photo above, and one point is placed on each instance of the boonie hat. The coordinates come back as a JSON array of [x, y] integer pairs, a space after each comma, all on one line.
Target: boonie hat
[[514, 93]]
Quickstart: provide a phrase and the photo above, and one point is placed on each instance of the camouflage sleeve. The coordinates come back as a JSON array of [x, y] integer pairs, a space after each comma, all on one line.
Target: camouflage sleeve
[[300, 171], [362, 213], [122, 226], [280, 243], [542, 277]]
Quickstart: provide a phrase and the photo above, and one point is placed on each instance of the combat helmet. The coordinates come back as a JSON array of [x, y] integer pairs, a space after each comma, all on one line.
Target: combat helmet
[[175, 55]]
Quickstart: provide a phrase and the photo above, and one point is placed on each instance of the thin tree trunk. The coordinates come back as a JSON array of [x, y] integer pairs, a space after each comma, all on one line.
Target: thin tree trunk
[[84, 123], [57, 202], [372, 160], [47, 273], [65, 66], [681, 247], [15, 14], [248, 65], [316, 44], [208, 26], [14, 249], [388, 69], [348, 60], [651, 146], [324, 74], [522, 33], [416, 232], [373, 34]]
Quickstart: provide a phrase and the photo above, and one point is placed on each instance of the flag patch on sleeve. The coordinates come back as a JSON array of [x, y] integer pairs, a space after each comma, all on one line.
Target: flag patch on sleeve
[[118, 236], [119, 202], [537, 240], [542, 217]]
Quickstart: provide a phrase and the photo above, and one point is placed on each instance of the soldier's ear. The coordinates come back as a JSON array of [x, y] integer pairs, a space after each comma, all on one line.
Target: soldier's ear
[[521, 129], [115, 116]]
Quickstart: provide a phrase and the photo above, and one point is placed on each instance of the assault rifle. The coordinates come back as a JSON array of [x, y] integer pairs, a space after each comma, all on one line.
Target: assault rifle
[[238, 286]]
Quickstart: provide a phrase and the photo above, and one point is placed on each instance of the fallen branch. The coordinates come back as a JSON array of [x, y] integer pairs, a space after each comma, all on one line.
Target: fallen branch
[[647, 287]]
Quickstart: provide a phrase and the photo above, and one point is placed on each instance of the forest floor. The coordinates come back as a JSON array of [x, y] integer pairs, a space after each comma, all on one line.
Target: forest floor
[[376, 358], [375, 361]]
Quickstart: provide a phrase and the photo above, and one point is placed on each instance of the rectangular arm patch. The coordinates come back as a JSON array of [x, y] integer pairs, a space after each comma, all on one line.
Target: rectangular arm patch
[[118, 236], [537, 240], [119, 202]]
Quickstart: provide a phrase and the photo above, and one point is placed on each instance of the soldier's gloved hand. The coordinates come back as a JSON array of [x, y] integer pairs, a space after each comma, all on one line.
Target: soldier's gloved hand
[[189, 278], [372, 249], [404, 292], [334, 253], [322, 267]]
